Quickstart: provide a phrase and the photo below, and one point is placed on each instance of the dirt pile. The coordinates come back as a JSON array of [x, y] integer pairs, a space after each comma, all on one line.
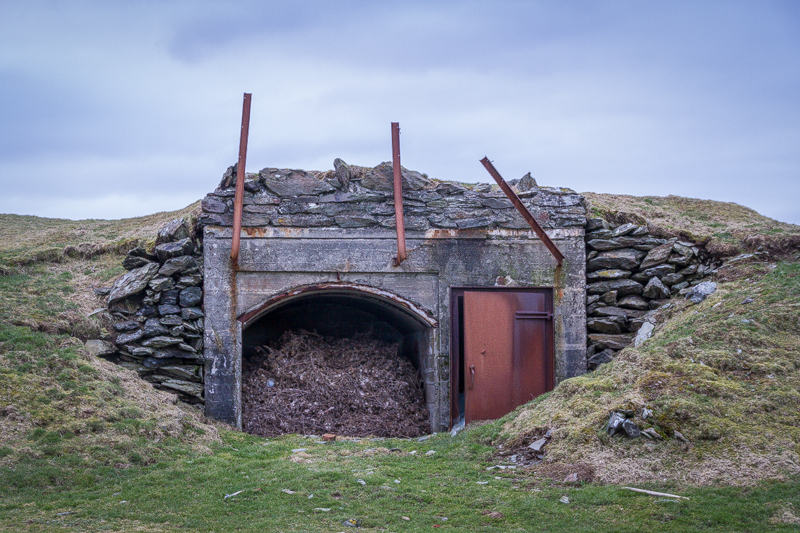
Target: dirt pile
[[313, 385]]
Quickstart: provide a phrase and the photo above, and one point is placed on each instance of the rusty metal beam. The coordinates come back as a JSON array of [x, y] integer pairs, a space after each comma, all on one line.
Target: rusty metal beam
[[523, 211], [398, 196], [241, 174]]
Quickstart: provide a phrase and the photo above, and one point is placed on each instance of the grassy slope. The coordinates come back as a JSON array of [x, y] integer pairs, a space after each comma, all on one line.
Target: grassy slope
[[86, 438], [729, 226]]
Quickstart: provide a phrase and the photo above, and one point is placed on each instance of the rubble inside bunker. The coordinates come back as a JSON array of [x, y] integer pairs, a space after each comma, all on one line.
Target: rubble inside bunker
[[311, 384]]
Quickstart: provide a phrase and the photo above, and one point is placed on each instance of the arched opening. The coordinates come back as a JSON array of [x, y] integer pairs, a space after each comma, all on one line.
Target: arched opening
[[336, 359]]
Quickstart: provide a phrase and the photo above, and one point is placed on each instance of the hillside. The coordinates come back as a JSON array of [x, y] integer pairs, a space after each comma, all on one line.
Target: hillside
[[76, 431]]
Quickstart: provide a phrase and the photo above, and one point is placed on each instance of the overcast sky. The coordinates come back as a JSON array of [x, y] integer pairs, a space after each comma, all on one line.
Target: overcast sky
[[117, 109]]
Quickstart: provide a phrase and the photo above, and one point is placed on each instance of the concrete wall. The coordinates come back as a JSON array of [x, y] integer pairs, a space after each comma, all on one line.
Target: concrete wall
[[276, 260]]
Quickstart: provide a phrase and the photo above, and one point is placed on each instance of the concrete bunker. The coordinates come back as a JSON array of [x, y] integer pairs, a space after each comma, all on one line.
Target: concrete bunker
[[321, 244]]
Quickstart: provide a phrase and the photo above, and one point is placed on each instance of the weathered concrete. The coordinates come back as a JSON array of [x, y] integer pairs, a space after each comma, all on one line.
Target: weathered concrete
[[278, 261], [300, 240]]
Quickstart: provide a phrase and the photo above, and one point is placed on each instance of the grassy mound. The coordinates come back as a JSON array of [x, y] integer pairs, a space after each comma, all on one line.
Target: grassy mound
[[725, 374], [63, 412], [726, 227]]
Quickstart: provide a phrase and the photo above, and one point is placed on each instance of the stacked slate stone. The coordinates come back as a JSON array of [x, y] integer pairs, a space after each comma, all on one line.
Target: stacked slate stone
[[358, 197], [157, 307], [629, 274]]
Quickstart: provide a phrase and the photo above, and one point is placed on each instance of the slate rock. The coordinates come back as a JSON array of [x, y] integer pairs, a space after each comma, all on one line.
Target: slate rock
[[99, 347], [527, 183], [630, 429], [170, 297], [615, 421], [293, 183], [171, 320], [614, 244], [609, 298], [174, 249], [610, 325], [634, 302], [132, 282], [161, 342], [127, 325], [183, 372], [191, 313], [622, 286], [672, 279], [174, 353], [127, 338], [590, 299], [678, 287], [618, 311], [175, 230], [644, 332], [212, 204], [605, 356], [186, 387], [154, 328], [168, 309], [655, 289], [160, 283], [381, 178], [656, 256], [609, 273], [147, 311], [701, 291], [131, 262], [176, 265], [614, 342], [342, 174], [623, 230], [680, 260], [191, 279], [593, 224], [191, 297], [624, 259]]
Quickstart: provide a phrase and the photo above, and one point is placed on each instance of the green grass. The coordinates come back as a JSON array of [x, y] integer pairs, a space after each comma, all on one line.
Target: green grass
[[188, 493]]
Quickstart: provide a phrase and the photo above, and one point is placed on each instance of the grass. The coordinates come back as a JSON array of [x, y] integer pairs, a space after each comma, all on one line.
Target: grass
[[727, 226], [723, 373], [87, 446], [439, 490]]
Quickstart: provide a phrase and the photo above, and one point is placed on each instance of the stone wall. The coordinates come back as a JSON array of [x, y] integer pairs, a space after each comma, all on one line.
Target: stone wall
[[156, 306], [630, 274]]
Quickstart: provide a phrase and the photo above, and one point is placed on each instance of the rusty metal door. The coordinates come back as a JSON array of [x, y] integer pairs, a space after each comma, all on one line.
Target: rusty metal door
[[508, 350]]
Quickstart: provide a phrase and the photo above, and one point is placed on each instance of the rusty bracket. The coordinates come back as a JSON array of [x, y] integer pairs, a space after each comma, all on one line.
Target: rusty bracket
[[241, 174], [398, 196], [523, 211]]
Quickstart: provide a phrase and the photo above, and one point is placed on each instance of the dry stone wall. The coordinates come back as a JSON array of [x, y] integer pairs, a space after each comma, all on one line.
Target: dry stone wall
[[358, 197], [629, 275], [157, 308]]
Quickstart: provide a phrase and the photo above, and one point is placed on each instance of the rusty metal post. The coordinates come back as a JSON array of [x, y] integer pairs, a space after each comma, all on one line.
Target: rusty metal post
[[523, 211], [398, 196], [240, 177]]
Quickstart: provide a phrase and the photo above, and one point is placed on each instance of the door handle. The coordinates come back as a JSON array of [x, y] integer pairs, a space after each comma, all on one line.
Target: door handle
[[471, 376]]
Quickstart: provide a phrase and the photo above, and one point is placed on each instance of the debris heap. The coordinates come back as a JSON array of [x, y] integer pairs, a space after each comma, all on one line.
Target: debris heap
[[311, 384]]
